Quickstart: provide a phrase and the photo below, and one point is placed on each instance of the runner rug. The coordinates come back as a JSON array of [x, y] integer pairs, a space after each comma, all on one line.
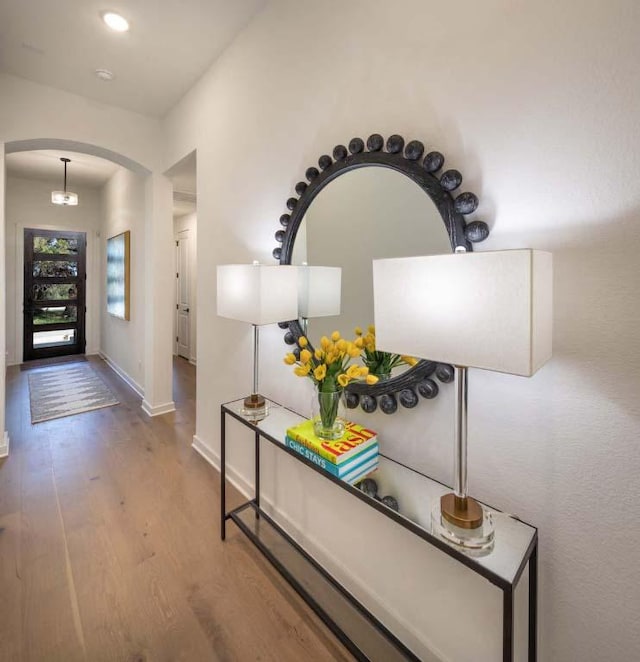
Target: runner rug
[[67, 391]]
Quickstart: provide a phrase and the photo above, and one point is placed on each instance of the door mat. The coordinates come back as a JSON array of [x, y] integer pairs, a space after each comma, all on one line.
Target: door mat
[[67, 391]]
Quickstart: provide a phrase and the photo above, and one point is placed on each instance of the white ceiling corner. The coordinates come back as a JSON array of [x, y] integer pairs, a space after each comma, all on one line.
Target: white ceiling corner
[[169, 46]]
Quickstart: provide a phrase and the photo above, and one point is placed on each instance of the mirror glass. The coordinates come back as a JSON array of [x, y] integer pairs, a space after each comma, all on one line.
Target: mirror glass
[[367, 213]]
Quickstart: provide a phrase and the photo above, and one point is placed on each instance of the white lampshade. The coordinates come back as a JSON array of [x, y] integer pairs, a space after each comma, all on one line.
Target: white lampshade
[[319, 291], [490, 310], [257, 293]]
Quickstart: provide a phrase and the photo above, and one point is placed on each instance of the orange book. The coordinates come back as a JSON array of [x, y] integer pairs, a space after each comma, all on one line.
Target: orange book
[[354, 440]]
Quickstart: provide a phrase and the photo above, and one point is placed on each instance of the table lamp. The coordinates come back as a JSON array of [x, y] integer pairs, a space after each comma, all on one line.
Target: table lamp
[[489, 310], [319, 291], [257, 294]]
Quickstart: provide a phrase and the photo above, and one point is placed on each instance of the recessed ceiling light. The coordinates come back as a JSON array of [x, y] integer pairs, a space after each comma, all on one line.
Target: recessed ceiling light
[[115, 21], [104, 74]]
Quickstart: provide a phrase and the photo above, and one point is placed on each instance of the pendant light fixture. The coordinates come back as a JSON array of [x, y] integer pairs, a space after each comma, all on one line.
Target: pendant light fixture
[[64, 197]]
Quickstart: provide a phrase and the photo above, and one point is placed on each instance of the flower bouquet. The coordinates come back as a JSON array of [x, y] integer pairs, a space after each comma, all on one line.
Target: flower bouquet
[[329, 367], [379, 363]]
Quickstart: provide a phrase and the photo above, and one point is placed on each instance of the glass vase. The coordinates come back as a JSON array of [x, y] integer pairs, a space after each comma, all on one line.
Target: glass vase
[[327, 414]]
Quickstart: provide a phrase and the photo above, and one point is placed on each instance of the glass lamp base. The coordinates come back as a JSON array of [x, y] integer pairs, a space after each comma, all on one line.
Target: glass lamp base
[[479, 539], [255, 408]]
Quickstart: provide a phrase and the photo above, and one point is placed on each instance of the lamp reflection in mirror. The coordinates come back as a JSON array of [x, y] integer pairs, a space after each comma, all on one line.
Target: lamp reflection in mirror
[[489, 310], [319, 291], [257, 294]]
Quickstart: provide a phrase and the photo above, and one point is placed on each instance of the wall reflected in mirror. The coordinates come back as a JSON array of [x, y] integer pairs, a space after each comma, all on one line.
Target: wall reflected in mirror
[[368, 213]]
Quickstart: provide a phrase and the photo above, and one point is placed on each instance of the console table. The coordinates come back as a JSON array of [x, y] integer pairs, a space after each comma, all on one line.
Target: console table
[[516, 546]]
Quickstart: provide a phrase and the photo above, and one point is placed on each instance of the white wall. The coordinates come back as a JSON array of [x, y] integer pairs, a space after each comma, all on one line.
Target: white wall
[[4, 436], [187, 225], [28, 205], [536, 104], [31, 111], [122, 341]]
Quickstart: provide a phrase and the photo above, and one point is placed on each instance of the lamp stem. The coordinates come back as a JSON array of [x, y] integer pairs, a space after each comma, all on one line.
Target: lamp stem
[[256, 357], [304, 324], [460, 427]]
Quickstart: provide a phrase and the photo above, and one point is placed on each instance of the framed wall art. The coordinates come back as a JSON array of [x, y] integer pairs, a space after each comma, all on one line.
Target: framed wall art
[[118, 275]]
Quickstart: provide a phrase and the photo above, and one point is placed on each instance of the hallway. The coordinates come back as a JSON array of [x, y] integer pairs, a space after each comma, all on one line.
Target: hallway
[[109, 546]]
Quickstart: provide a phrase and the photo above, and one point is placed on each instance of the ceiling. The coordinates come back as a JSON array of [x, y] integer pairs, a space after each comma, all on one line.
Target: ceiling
[[171, 43], [84, 169]]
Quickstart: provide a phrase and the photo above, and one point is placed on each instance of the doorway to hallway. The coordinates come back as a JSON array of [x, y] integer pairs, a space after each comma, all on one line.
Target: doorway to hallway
[[54, 293], [183, 295]]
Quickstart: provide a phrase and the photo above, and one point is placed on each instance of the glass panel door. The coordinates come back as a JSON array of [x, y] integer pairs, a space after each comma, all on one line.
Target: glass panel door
[[54, 293]]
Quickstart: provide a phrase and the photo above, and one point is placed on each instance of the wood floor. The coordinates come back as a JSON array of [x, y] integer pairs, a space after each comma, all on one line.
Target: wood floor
[[110, 550]]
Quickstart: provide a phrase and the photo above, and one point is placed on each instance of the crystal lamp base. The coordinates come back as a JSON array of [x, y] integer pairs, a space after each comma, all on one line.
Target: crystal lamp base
[[255, 408], [479, 539]]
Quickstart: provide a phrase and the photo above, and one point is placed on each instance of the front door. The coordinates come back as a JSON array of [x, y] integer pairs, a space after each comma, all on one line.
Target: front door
[[54, 293]]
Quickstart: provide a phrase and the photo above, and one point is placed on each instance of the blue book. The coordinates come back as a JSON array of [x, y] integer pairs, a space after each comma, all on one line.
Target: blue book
[[351, 471]]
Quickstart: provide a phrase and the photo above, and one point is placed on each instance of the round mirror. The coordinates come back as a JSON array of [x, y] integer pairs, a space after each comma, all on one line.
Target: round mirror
[[374, 201], [365, 214]]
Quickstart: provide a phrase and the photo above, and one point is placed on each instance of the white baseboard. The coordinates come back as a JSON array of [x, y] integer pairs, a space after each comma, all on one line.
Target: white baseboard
[[158, 410], [122, 374], [213, 458], [4, 447]]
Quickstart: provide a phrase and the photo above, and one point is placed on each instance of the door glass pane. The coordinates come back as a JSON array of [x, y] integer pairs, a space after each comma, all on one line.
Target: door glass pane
[[55, 315], [55, 245], [54, 338], [62, 269], [54, 292]]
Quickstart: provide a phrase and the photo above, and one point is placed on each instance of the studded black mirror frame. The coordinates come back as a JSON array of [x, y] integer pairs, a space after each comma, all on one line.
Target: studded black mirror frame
[[423, 171]]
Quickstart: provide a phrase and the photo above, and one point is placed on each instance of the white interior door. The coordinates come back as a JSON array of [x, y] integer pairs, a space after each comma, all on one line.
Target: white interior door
[[182, 295]]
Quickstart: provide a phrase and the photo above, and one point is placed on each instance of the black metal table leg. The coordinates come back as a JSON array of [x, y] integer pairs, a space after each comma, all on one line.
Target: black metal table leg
[[223, 500], [257, 474], [507, 625], [533, 605]]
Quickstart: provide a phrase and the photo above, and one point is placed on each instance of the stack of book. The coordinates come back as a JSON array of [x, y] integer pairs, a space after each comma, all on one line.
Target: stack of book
[[350, 458]]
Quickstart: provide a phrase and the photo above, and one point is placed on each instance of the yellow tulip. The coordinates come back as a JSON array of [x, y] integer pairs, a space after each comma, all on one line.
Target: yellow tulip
[[320, 372], [343, 380], [353, 372], [330, 358], [335, 336], [358, 331], [371, 380], [359, 343], [324, 343], [353, 351], [364, 371], [302, 370], [319, 354], [342, 345], [409, 360], [371, 329], [305, 356], [302, 341], [289, 359]]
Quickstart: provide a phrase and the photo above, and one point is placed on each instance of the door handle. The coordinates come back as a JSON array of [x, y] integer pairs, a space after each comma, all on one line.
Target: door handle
[[186, 310]]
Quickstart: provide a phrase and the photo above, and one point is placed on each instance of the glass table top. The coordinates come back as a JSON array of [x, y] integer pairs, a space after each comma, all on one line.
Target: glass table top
[[416, 495]]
